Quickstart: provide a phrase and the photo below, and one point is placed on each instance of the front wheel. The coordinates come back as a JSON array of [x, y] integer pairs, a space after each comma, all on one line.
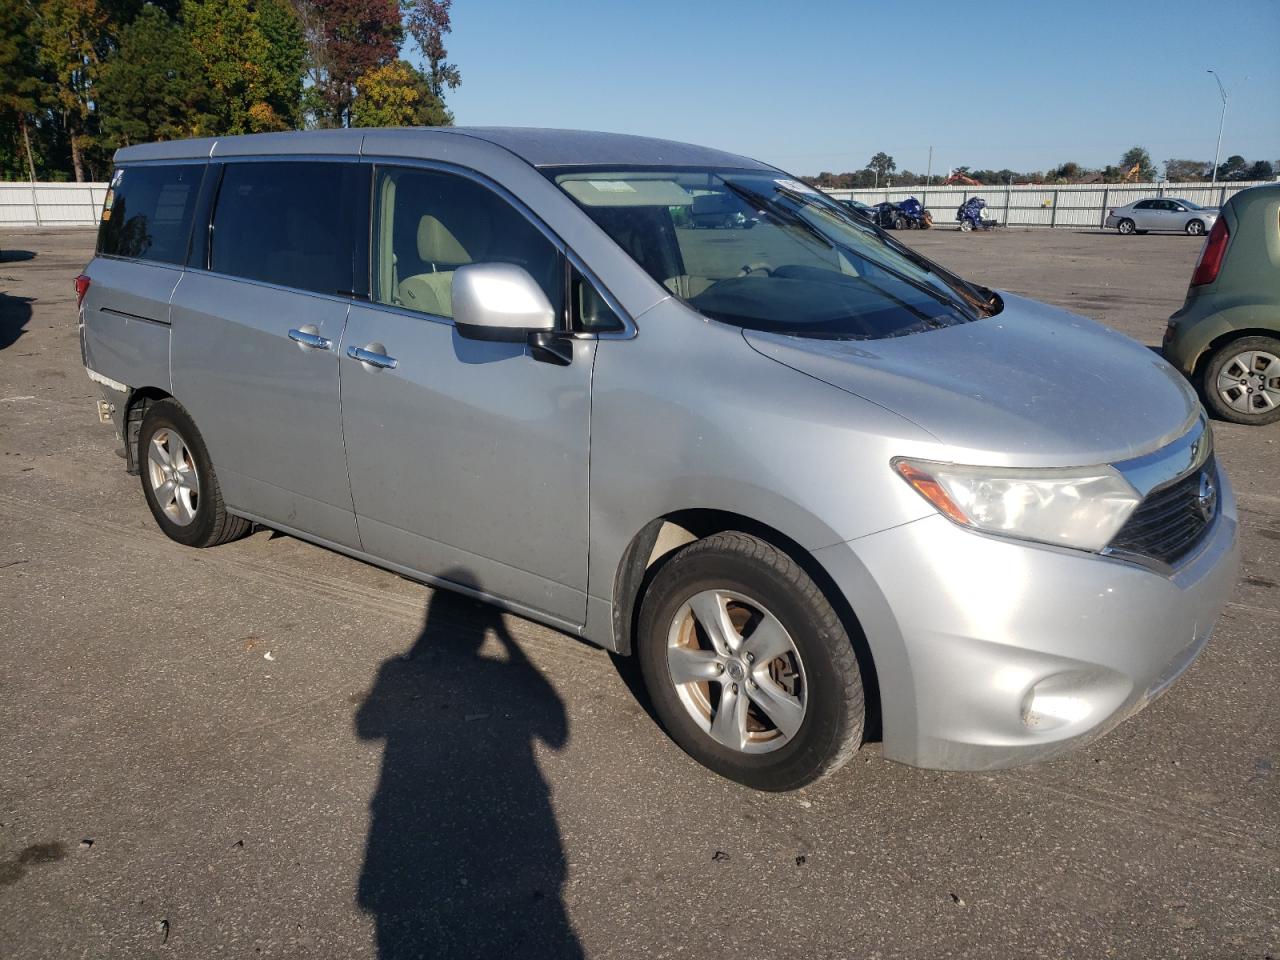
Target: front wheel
[[1242, 381], [1125, 226], [1195, 228], [748, 666], [965, 226], [178, 480]]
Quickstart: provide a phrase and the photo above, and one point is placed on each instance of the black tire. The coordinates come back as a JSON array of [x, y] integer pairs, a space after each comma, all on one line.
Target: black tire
[[1218, 362], [1126, 226], [899, 223], [835, 713], [1195, 228], [210, 523]]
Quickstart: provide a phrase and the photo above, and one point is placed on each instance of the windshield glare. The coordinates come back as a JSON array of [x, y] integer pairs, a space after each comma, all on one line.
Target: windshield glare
[[761, 250]]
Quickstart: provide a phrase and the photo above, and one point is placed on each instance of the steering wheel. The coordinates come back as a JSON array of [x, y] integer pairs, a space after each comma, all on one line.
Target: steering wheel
[[758, 267]]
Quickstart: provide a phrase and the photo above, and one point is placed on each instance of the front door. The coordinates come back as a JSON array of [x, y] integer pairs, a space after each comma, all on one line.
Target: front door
[[468, 460], [256, 339]]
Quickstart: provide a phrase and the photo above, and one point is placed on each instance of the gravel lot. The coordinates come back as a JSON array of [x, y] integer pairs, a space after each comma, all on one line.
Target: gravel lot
[[231, 752]]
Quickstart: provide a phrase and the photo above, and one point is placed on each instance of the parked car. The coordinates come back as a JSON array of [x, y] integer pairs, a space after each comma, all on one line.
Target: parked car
[[861, 209], [816, 483], [1226, 337], [1166, 214]]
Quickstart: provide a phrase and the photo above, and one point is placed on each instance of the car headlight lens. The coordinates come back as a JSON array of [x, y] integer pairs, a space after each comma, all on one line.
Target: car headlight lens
[[1081, 507]]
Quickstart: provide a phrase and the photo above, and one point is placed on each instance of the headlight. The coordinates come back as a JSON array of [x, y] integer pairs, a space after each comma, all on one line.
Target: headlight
[[1081, 507]]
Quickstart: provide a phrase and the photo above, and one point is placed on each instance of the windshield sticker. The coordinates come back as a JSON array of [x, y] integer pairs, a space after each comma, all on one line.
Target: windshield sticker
[[795, 186], [612, 186]]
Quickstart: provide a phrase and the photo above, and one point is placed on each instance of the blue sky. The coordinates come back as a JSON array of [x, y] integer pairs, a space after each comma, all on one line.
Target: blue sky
[[823, 85]]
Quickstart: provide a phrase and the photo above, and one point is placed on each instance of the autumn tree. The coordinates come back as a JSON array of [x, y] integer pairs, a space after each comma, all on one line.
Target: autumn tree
[[397, 95], [427, 21], [348, 39]]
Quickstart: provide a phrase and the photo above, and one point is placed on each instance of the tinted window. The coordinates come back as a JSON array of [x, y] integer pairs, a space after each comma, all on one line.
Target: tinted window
[[428, 224], [1144, 205], [147, 213], [289, 223]]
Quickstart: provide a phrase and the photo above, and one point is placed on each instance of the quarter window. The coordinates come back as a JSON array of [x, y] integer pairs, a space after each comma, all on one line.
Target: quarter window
[[148, 210], [292, 223], [427, 224]]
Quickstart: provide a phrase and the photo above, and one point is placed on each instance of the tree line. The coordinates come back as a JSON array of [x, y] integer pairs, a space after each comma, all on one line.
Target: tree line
[[81, 78], [1135, 164]]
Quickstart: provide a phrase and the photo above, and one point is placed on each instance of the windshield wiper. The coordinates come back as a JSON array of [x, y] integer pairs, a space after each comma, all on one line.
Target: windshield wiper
[[766, 205]]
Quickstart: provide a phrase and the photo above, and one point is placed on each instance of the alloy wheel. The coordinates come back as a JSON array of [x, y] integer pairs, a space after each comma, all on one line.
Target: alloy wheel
[[175, 481], [737, 671]]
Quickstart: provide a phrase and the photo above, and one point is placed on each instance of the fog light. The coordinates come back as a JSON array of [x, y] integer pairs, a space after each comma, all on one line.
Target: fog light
[[1054, 709]]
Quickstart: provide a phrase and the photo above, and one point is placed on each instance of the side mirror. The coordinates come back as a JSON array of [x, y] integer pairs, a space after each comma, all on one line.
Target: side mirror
[[499, 301]]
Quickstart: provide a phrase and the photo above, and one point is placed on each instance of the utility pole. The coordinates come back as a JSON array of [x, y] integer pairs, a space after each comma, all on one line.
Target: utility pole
[[1222, 120], [928, 177]]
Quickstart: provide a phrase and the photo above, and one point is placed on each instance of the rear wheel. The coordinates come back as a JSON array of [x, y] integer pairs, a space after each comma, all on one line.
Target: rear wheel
[[1125, 226], [749, 668], [899, 222], [178, 480], [965, 226], [1195, 228], [1242, 381]]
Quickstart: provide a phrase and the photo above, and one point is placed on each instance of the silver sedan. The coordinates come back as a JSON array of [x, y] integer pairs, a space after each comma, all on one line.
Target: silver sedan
[[1168, 214]]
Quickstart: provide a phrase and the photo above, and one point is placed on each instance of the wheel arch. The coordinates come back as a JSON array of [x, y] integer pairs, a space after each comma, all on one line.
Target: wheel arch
[[1222, 340], [140, 399], [660, 538]]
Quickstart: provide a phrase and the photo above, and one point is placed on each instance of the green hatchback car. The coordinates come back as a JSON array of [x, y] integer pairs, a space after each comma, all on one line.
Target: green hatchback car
[[1226, 337]]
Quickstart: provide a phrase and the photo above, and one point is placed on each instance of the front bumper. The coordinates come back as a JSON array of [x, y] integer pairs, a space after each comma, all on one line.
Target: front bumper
[[991, 653]]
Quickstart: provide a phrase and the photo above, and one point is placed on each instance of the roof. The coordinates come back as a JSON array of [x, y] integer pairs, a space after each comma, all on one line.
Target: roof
[[536, 146], [546, 147]]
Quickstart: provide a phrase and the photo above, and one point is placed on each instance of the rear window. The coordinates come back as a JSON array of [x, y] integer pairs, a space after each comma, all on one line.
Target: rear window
[[290, 223], [148, 210]]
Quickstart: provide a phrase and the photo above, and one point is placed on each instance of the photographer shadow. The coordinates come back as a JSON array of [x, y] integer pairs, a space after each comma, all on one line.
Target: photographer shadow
[[464, 857]]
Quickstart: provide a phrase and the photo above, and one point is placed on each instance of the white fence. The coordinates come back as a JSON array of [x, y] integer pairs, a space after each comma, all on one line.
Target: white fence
[[1070, 205], [1079, 205], [24, 204]]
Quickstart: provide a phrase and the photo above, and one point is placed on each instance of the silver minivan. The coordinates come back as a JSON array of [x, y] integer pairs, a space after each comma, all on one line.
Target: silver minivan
[[822, 488]]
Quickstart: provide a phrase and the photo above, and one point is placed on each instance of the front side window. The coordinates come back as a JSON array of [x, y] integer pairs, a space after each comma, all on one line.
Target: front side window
[[766, 252], [291, 223], [427, 224], [148, 210]]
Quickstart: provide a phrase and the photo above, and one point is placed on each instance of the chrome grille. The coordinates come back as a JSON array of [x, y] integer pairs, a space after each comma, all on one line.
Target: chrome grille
[[1172, 520]]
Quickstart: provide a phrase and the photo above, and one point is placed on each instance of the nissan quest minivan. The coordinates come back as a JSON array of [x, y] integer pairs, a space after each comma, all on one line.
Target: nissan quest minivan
[[820, 486]]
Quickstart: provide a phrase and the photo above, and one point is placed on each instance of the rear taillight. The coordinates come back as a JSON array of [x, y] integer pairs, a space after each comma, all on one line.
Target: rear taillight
[[82, 287], [1215, 248]]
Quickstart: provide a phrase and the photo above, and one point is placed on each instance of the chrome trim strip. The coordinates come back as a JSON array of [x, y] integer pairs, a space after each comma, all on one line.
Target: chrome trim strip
[[1170, 463]]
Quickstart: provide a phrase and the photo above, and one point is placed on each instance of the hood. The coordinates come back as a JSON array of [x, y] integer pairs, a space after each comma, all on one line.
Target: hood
[[1031, 386]]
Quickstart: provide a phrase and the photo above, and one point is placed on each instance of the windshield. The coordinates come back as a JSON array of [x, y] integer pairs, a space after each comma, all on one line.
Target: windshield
[[763, 251]]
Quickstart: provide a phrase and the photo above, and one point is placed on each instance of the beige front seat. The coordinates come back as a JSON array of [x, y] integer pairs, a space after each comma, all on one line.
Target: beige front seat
[[432, 292]]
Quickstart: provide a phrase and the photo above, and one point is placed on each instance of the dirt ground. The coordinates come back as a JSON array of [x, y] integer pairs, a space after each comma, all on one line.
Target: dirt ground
[[268, 749]]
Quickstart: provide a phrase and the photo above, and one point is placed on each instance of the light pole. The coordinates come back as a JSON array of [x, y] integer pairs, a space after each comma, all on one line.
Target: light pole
[[1218, 149]]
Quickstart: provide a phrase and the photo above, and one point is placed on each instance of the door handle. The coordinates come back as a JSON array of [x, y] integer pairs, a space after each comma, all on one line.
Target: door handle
[[372, 358], [309, 338]]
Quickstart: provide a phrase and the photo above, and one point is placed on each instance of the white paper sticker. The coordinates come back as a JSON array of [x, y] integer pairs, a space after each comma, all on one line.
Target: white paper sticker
[[612, 186], [795, 186]]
